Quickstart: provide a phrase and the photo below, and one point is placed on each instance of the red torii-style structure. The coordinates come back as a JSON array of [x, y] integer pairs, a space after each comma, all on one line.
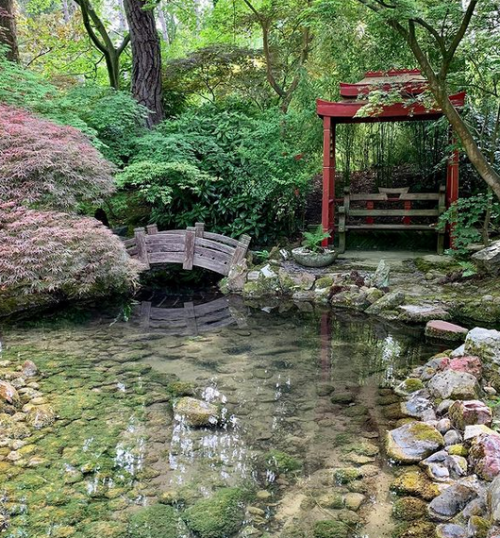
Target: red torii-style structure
[[410, 83]]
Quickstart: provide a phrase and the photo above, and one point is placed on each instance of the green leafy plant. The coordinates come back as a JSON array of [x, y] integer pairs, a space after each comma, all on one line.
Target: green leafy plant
[[469, 269], [312, 240], [472, 219]]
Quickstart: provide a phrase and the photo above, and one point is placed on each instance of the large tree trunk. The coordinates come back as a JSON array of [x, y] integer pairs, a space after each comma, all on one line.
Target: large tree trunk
[[8, 35], [146, 60]]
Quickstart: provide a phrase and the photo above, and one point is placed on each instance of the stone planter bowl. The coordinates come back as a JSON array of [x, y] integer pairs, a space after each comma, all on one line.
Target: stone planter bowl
[[307, 258]]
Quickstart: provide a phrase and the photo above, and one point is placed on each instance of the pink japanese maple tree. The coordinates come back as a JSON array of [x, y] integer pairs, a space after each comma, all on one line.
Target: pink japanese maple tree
[[43, 164]]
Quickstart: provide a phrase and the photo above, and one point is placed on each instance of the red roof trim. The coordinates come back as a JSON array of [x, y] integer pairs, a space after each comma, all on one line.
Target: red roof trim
[[393, 73], [354, 90], [346, 110]]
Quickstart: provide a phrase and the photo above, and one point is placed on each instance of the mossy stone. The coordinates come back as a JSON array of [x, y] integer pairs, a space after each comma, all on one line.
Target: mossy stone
[[457, 450], [416, 529], [409, 508], [281, 462], [414, 482], [412, 385], [330, 529], [156, 521], [347, 474], [324, 282], [388, 399], [479, 526], [219, 516]]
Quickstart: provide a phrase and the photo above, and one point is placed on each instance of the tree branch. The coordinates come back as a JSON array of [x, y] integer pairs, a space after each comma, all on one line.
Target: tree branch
[[435, 34]]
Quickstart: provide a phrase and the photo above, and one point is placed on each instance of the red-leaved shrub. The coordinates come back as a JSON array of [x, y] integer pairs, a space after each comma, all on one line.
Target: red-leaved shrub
[[48, 165], [47, 257]]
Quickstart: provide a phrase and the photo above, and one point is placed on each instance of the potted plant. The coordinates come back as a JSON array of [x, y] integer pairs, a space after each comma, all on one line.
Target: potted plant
[[311, 253]]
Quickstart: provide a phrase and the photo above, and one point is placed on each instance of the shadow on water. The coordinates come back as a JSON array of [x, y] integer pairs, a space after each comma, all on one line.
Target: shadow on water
[[296, 387]]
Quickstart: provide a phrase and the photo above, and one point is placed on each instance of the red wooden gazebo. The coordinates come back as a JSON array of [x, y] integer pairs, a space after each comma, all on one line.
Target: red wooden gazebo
[[410, 83]]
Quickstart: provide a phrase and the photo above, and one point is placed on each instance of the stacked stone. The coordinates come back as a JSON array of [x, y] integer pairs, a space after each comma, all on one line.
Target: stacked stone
[[449, 432]]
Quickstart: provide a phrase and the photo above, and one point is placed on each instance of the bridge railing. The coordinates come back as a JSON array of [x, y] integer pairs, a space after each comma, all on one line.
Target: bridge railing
[[193, 247]]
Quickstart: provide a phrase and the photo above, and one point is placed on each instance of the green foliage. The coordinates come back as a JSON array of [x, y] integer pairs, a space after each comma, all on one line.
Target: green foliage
[[468, 216], [229, 166], [469, 269], [156, 521], [281, 462], [312, 240]]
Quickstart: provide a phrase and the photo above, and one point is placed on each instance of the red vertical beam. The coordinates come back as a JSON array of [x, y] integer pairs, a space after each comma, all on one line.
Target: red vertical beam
[[452, 181], [328, 205], [407, 206]]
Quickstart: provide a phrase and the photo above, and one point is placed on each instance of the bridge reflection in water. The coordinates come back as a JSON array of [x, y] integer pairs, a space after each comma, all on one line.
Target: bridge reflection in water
[[191, 319]]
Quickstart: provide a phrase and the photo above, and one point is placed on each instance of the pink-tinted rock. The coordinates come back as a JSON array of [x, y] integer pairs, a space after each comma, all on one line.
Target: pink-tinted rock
[[471, 365], [445, 330], [8, 393], [468, 413], [29, 369], [484, 456]]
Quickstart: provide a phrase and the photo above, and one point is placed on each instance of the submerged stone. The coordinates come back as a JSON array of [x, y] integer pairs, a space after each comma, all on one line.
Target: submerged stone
[[157, 520], [330, 529], [218, 516], [409, 508], [196, 412], [414, 482]]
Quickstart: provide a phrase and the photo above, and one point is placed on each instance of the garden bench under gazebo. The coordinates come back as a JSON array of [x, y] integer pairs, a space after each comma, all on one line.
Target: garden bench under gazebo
[[396, 203]]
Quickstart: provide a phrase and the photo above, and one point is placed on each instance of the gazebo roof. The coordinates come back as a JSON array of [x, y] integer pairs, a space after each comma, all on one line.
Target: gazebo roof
[[409, 82]]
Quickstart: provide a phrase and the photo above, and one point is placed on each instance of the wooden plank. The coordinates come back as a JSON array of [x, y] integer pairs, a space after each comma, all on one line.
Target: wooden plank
[[214, 316], [212, 306], [129, 242], [207, 263], [190, 318], [189, 249], [429, 227], [166, 257], [412, 196], [394, 213], [165, 243], [145, 314], [222, 238], [142, 252], [165, 314], [132, 251], [221, 247], [152, 229], [172, 232], [362, 197]]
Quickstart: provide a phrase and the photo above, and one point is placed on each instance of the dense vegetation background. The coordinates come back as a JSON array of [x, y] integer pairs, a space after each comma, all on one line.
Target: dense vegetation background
[[181, 111]]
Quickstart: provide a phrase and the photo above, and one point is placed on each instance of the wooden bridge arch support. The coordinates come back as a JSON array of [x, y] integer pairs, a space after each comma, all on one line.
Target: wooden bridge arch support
[[193, 247]]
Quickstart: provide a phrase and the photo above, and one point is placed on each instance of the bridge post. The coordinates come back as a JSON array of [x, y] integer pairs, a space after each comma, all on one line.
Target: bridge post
[[199, 228], [152, 229], [241, 250], [189, 246], [142, 250]]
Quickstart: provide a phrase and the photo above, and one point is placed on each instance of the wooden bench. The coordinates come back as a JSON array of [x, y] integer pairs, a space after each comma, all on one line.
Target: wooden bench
[[398, 197]]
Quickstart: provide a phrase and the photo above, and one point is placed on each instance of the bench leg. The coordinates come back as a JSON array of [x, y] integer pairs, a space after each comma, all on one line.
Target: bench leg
[[341, 242], [440, 245]]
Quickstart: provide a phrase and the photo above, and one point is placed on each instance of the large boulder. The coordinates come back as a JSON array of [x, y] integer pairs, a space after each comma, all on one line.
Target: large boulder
[[484, 456], [469, 364], [195, 412], [484, 343], [488, 259], [468, 413], [9, 394], [452, 500], [413, 442], [454, 385], [422, 313]]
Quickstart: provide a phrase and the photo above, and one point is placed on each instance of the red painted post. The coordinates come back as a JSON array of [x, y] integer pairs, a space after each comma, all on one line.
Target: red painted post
[[328, 204], [370, 206], [407, 220], [452, 181]]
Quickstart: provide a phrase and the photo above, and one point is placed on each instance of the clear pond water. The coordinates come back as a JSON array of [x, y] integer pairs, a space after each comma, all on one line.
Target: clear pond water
[[298, 390]]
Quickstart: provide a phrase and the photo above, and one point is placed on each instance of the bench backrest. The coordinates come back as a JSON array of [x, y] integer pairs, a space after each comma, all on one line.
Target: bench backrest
[[406, 198]]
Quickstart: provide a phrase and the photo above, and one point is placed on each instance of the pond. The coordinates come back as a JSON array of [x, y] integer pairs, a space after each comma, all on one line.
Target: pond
[[297, 443]]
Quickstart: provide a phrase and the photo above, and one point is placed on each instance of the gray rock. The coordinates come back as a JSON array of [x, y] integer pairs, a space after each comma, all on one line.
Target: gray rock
[[454, 385], [423, 313], [443, 407], [483, 343], [459, 352], [443, 426], [488, 259], [476, 430], [413, 442], [388, 302], [381, 276], [452, 437], [450, 530], [493, 499], [451, 501], [416, 406]]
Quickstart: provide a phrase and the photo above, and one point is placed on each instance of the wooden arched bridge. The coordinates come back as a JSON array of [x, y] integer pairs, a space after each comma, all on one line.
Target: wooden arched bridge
[[193, 247]]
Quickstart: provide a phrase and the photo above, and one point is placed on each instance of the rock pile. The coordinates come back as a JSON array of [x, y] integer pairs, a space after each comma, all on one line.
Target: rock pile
[[447, 429]]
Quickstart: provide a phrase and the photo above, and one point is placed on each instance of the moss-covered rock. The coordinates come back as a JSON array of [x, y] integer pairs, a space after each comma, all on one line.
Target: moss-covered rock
[[281, 462], [413, 442], [218, 516], [330, 529], [414, 482], [416, 529], [347, 474], [409, 509], [457, 450], [478, 527], [156, 521]]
